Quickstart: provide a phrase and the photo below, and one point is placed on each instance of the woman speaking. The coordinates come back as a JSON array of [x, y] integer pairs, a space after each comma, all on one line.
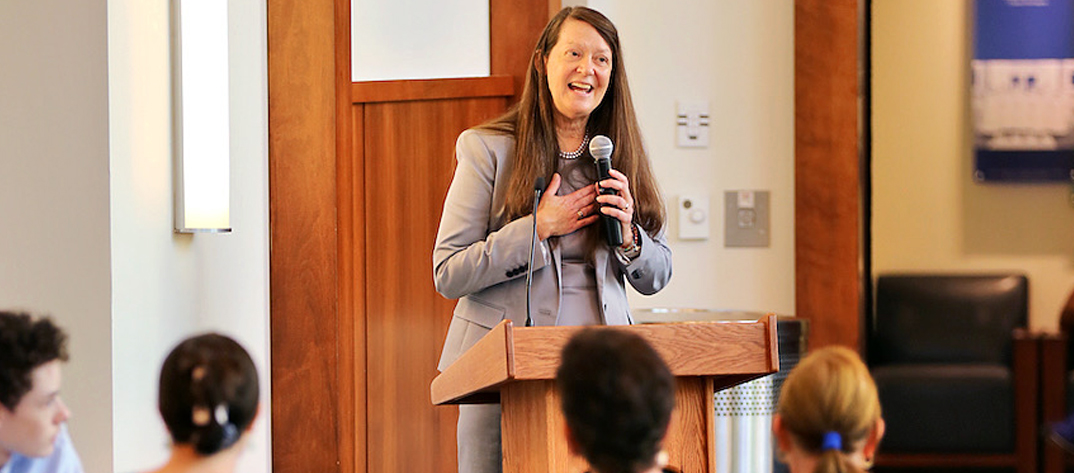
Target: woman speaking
[[576, 88]]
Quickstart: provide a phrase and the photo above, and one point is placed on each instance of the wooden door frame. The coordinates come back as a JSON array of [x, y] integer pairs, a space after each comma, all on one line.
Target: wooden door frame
[[315, 349], [831, 272], [313, 420]]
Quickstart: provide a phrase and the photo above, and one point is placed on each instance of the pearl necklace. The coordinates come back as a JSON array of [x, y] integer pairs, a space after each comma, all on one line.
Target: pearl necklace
[[578, 152]]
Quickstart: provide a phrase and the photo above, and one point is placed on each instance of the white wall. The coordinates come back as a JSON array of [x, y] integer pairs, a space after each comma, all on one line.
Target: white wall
[[740, 57], [167, 286], [88, 223], [54, 245], [153, 271], [928, 214]]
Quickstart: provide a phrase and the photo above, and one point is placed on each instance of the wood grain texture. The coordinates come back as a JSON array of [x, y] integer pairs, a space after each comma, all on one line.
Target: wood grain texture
[[1026, 397], [689, 439], [689, 349], [702, 355], [554, 6], [431, 89], [1053, 357], [302, 219], [1054, 351], [710, 423], [351, 283], [408, 162], [515, 26], [730, 352], [352, 347], [482, 368], [828, 281], [771, 326], [534, 438]]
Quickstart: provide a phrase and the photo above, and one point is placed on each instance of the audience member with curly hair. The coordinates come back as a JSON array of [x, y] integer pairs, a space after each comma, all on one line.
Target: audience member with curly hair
[[33, 433]]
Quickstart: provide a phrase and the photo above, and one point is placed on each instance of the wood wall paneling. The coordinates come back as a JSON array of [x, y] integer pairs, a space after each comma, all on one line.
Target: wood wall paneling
[[352, 289], [350, 423], [409, 161], [827, 171], [514, 27], [302, 220], [431, 89]]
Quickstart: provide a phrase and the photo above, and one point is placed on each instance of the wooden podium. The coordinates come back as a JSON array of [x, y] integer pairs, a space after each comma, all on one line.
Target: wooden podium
[[517, 367]]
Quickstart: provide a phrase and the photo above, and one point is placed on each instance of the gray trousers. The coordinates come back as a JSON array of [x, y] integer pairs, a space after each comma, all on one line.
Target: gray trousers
[[479, 439]]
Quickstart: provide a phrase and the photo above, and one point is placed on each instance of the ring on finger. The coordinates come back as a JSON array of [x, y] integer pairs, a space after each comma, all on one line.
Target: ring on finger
[[581, 214]]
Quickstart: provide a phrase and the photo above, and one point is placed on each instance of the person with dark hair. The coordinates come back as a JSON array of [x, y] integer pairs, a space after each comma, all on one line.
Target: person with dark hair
[[575, 88], [33, 433], [208, 398], [617, 396], [828, 419]]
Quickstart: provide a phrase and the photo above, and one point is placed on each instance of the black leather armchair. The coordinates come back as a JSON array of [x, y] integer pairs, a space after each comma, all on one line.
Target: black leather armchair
[[956, 371]]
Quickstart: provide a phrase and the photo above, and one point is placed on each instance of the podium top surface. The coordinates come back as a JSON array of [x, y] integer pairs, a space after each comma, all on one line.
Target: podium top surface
[[662, 315], [737, 350]]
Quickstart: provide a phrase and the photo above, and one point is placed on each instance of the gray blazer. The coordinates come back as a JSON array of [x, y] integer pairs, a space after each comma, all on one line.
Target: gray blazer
[[480, 258]]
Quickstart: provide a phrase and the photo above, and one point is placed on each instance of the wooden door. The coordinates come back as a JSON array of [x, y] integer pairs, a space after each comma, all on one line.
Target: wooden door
[[358, 174], [408, 156]]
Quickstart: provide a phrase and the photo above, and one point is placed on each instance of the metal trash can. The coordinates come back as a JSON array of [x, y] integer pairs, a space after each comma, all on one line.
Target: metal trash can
[[744, 441]]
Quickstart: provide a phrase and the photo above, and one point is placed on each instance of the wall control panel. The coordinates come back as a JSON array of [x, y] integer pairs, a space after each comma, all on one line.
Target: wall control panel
[[693, 217], [746, 218]]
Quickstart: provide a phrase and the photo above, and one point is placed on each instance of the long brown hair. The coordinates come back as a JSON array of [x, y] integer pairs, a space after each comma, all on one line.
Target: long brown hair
[[830, 391], [532, 124]]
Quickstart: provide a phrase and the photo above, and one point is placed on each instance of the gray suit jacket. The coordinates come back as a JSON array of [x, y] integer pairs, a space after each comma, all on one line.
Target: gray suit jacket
[[481, 259]]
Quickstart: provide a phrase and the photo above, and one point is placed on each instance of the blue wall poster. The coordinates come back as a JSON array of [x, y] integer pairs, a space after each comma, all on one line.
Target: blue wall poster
[[1023, 90]]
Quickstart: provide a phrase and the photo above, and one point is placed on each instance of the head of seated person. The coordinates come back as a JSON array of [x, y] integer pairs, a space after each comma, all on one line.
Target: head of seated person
[[828, 418], [209, 397], [32, 415], [617, 398]]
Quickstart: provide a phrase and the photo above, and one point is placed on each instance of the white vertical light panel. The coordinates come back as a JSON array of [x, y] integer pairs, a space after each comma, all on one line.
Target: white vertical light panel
[[202, 148], [419, 39]]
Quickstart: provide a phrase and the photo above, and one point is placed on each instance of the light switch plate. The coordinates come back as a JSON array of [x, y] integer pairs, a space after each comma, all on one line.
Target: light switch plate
[[746, 218], [692, 123], [694, 217]]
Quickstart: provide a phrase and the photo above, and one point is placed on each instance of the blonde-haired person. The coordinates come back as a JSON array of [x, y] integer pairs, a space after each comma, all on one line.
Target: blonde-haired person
[[829, 414]]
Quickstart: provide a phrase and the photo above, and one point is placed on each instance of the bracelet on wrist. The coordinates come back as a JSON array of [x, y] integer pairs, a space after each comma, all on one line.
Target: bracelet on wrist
[[631, 246]]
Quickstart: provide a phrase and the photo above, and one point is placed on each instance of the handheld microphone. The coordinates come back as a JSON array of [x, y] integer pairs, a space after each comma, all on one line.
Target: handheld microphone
[[601, 149], [538, 188]]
